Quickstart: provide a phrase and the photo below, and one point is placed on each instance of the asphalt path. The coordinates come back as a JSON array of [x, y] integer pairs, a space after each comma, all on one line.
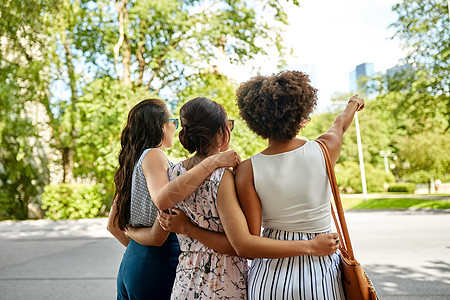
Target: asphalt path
[[406, 254]]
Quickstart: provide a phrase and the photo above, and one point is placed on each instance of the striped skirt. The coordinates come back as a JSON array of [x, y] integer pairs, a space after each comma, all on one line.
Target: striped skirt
[[302, 277]]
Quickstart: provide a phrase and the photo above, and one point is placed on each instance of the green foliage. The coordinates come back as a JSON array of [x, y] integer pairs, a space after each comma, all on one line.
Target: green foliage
[[439, 204], [422, 88], [374, 131], [423, 26], [348, 177], [23, 83], [103, 112], [412, 108], [222, 90], [23, 170], [427, 151], [75, 201], [173, 41], [420, 176], [402, 187], [54, 45]]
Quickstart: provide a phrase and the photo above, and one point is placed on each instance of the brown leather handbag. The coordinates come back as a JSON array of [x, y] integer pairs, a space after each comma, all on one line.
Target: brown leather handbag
[[357, 284]]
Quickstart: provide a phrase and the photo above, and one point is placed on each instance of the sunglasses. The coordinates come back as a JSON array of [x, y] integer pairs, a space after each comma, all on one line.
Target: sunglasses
[[231, 124], [175, 122]]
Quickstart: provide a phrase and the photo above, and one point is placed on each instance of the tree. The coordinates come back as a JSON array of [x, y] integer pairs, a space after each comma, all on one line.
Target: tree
[[24, 81], [426, 151], [414, 103], [374, 129], [166, 44], [100, 50], [103, 111], [159, 46], [423, 26]]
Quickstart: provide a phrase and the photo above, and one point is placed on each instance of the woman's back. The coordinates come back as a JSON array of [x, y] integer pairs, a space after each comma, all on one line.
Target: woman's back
[[294, 190], [143, 211], [295, 201], [200, 207]]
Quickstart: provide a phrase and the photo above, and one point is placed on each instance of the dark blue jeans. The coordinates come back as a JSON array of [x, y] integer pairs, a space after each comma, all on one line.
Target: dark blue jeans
[[148, 272]]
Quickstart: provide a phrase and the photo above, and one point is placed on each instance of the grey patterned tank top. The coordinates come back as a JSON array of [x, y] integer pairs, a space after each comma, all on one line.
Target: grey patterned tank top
[[143, 211]]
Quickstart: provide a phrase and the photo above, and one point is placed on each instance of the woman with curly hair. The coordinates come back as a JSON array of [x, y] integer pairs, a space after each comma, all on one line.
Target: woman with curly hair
[[285, 189], [142, 185]]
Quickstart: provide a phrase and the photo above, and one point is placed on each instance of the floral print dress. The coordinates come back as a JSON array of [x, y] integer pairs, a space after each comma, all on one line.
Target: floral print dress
[[203, 273]]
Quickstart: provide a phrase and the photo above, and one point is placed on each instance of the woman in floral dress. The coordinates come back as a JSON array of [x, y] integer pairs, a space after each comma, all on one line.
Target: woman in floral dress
[[203, 272]]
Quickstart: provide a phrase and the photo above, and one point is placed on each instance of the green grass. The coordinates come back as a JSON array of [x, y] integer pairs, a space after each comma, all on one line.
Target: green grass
[[394, 203]]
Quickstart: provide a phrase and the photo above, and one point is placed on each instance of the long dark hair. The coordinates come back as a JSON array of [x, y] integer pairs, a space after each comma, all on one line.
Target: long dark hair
[[144, 129], [201, 119]]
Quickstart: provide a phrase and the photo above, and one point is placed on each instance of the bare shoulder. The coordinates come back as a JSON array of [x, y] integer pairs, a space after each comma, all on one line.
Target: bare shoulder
[[154, 156], [333, 143], [330, 139], [244, 169], [244, 174], [226, 184], [228, 176], [156, 153]]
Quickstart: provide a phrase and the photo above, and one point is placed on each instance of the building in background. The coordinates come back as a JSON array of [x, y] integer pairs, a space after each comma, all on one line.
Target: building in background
[[362, 71], [399, 78], [399, 70]]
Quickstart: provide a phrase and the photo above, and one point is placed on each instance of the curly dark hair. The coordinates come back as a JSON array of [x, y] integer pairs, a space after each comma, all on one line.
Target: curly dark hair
[[144, 129], [201, 119], [277, 106]]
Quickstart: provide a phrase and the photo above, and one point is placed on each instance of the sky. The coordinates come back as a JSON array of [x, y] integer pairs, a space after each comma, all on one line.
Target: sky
[[329, 38]]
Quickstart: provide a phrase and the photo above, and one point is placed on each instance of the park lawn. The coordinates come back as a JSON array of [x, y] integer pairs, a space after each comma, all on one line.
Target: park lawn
[[393, 203]]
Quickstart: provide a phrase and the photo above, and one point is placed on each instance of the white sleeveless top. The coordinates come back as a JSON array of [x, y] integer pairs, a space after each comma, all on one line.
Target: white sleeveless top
[[294, 189]]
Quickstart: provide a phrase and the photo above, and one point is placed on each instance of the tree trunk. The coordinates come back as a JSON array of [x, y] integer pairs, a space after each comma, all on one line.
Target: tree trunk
[[126, 62], [141, 59], [68, 151], [123, 41], [140, 53], [67, 160]]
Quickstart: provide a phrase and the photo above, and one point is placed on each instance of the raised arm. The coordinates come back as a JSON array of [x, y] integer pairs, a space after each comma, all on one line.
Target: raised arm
[[179, 223], [334, 136], [252, 246], [167, 194]]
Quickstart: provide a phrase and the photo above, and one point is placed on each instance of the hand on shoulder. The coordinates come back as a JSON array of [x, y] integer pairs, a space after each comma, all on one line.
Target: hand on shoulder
[[227, 159]]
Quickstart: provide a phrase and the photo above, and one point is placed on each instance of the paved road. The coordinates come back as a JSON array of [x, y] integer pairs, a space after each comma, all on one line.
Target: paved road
[[407, 255]]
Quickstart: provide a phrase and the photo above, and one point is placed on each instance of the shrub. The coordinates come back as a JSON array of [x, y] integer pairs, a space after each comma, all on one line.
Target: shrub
[[419, 177], [402, 187], [348, 176], [75, 201]]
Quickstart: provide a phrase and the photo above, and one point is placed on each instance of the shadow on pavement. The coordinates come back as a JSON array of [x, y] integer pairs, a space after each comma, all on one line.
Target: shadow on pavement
[[394, 282]]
